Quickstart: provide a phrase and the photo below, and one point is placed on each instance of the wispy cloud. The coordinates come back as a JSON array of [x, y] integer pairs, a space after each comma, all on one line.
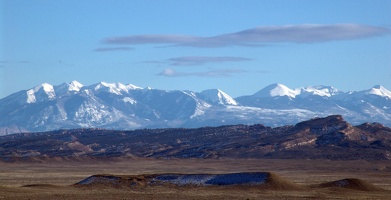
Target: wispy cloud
[[154, 62], [2, 63], [152, 39], [211, 73], [200, 60], [260, 36], [13, 62], [113, 49], [197, 60], [263, 71], [65, 63], [23, 62]]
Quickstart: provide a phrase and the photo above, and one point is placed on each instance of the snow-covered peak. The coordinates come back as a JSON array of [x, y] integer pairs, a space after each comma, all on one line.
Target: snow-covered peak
[[275, 90], [218, 97], [48, 88], [68, 88], [75, 86], [42, 91], [132, 87], [320, 90], [380, 91], [115, 88]]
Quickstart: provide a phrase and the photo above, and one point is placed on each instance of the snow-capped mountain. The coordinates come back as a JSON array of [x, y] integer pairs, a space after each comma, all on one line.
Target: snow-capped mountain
[[216, 96], [120, 106], [379, 91], [276, 90], [40, 93], [320, 90], [66, 88], [114, 88]]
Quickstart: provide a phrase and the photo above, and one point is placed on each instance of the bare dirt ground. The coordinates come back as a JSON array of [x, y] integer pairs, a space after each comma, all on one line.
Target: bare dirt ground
[[54, 179]]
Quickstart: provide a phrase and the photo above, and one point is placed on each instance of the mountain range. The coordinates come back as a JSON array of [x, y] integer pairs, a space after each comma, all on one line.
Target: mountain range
[[125, 107]]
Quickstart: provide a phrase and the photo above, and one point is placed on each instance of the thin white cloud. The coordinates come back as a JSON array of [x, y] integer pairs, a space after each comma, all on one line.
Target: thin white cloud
[[262, 71], [105, 49], [211, 73], [200, 60], [197, 60], [261, 36], [13, 62], [65, 63], [24, 62], [154, 62]]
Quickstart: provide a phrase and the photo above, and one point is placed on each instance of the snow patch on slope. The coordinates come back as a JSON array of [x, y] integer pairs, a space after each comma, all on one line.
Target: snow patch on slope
[[201, 106], [129, 100]]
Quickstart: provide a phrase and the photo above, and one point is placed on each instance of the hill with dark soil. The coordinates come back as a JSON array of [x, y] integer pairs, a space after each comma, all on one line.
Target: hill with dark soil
[[319, 138], [261, 180], [265, 180], [351, 183]]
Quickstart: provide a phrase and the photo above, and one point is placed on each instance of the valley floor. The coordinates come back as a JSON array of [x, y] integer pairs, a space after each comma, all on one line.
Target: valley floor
[[54, 179]]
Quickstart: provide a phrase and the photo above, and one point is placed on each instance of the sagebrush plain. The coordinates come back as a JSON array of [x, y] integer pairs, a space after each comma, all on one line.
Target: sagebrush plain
[[55, 178]]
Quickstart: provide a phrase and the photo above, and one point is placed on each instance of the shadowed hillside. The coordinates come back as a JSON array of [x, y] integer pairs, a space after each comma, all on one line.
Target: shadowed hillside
[[320, 138]]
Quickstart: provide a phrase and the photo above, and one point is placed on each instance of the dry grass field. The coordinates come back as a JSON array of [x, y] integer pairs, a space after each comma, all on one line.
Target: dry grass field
[[55, 179]]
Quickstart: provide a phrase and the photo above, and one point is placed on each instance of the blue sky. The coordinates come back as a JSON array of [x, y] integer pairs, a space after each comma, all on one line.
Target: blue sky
[[237, 46]]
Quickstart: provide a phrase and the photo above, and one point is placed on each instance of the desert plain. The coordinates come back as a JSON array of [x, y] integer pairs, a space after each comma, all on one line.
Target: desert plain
[[57, 178]]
